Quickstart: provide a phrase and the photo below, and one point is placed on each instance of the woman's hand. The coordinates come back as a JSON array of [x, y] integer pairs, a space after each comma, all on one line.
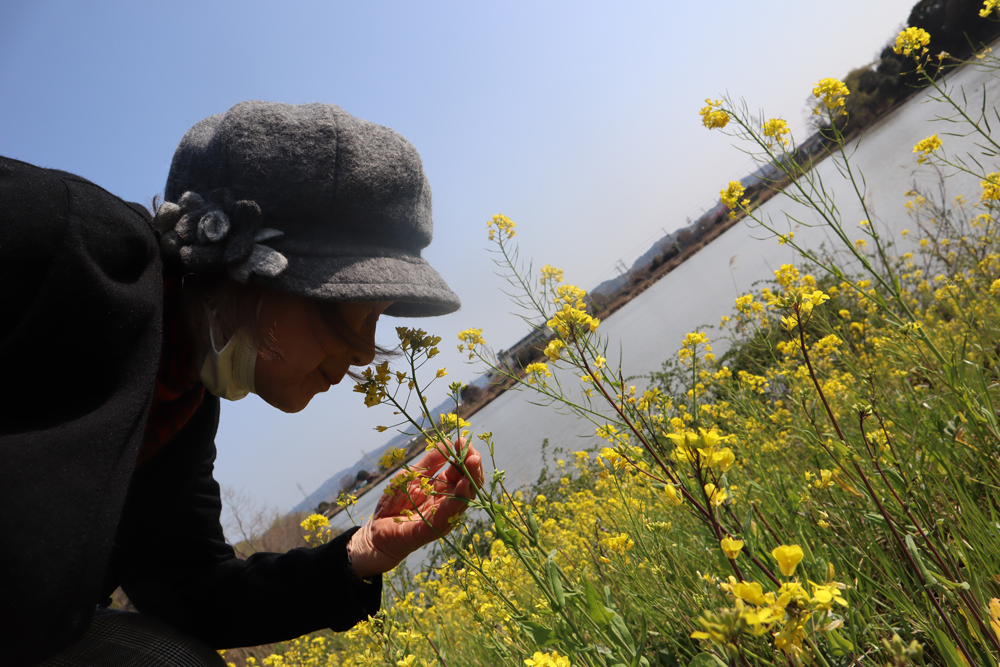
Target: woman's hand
[[402, 524]]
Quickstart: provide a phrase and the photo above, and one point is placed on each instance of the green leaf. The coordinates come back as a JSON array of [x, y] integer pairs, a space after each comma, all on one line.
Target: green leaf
[[839, 646], [946, 648], [533, 527], [621, 633], [637, 660], [706, 660], [555, 583], [539, 633], [595, 606]]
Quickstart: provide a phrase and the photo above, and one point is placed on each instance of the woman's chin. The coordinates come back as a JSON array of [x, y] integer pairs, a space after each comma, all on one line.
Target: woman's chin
[[290, 404]]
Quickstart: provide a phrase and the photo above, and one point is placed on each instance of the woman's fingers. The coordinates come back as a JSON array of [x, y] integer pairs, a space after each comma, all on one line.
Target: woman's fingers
[[431, 462]]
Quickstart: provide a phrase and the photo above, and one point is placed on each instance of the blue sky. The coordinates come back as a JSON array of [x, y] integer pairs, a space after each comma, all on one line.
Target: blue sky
[[576, 119]]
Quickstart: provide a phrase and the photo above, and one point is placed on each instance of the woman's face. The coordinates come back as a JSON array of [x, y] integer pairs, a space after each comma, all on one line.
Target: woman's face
[[310, 357]]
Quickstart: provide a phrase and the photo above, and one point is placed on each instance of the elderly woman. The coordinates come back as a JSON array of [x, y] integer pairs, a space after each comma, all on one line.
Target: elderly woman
[[286, 232]]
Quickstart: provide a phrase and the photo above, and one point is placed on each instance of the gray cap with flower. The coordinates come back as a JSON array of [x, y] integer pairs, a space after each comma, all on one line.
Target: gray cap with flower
[[305, 199]]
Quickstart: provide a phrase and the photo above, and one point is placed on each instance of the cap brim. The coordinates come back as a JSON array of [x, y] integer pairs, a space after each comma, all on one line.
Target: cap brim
[[414, 287]]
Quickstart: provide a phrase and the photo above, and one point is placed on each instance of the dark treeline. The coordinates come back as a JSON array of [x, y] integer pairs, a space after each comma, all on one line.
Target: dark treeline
[[955, 27]]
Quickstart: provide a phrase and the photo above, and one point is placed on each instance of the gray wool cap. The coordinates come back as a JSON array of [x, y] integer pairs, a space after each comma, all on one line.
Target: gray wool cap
[[305, 199]]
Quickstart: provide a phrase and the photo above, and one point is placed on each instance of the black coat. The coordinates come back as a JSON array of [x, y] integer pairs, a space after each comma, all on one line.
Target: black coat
[[81, 292]]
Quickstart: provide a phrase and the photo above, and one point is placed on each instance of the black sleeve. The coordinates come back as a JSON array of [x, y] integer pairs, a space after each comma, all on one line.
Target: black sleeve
[[190, 577], [80, 309]]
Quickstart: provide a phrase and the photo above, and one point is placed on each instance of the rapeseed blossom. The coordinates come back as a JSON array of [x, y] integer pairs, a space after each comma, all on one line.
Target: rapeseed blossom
[[991, 187], [554, 350], [832, 93], [912, 39], [989, 6], [712, 115], [537, 371], [619, 543], [392, 458], [551, 275], [451, 421], [731, 196], [926, 146], [788, 558], [731, 547], [504, 225], [552, 659], [776, 129], [471, 338]]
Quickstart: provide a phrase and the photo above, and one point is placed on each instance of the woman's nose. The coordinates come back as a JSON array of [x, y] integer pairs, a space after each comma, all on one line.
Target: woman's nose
[[362, 358]]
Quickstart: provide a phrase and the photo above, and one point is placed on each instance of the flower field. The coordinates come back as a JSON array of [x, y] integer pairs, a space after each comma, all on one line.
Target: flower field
[[825, 493]]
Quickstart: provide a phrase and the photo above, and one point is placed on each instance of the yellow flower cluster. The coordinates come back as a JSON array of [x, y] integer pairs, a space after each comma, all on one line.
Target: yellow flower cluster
[[552, 659], [926, 146], [989, 6], [912, 39], [777, 129], [731, 196], [554, 350], [991, 187], [703, 449], [392, 458], [374, 384], [537, 372], [503, 225], [832, 93], [471, 338], [550, 275], [451, 422], [712, 115]]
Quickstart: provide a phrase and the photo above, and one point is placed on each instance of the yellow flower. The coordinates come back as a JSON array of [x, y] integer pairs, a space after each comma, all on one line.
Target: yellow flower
[[832, 93], [712, 115], [441, 372], [407, 661], [910, 40], [991, 187], [995, 603], [731, 195], [392, 458], [751, 592], [776, 129], [731, 547], [470, 338], [537, 371], [788, 558], [452, 421], [551, 274], [620, 543], [314, 522], [824, 596], [504, 225], [925, 147], [547, 660], [674, 496], [554, 349], [715, 496], [988, 7]]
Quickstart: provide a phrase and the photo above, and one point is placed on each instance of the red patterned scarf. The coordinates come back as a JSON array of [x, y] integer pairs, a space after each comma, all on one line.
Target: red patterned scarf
[[177, 395]]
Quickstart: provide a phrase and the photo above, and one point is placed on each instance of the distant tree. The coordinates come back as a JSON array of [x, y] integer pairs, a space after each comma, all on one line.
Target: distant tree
[[347, 482], [954, 25], [471, 393], [362, 475]]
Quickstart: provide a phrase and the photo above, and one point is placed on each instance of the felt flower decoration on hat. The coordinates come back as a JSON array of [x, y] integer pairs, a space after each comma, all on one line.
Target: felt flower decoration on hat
[[205, 234]]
